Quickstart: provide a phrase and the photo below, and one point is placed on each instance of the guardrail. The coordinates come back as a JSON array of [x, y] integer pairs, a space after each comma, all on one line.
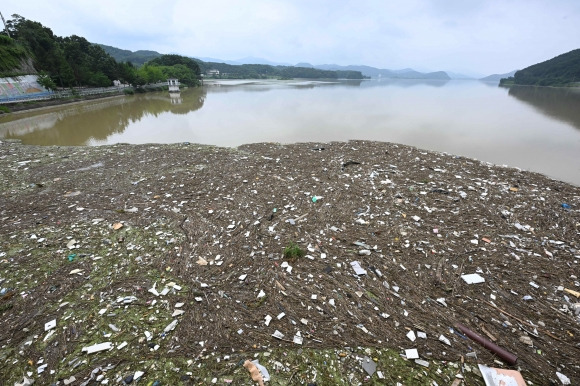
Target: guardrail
[[64, 94]]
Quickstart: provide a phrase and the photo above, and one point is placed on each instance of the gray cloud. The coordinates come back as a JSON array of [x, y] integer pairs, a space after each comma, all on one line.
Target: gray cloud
[[470, 36]]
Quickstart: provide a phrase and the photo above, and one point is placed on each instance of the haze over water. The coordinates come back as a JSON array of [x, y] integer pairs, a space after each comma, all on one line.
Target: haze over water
[[536, 129]]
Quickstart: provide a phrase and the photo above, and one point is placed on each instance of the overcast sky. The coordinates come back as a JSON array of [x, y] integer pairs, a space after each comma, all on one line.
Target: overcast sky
[[468, 36]]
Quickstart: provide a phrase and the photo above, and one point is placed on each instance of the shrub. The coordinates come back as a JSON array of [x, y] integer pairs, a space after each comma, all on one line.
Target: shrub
[[293, 251]]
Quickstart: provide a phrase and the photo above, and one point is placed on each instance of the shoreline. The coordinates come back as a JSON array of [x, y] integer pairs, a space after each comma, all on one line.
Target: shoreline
[[40, 105], [195, 219], [45, 105]]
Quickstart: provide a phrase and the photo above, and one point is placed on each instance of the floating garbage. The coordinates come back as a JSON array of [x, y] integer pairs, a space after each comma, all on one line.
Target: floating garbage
[[403, 244], [98, 347], [473, 278]]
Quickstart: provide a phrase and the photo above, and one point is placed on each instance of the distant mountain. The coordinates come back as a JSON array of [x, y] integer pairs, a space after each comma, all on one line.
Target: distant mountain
[[562, 70], [141, 57], [373, 72], [497, 77], [455, 75], [254, 60], [215, 60], [135, 57]]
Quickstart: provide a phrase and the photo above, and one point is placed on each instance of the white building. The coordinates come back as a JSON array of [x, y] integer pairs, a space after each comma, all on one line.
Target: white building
[[173, 85]]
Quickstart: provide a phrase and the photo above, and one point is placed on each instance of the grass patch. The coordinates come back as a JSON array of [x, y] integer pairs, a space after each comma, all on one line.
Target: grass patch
[[293, 251]]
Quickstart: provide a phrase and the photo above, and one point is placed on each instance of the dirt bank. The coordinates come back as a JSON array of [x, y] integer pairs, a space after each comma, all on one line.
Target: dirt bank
[[36, 105], [172, 258]]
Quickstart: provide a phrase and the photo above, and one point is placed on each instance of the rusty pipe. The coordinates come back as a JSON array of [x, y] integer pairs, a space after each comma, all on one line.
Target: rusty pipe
[[507, 356]]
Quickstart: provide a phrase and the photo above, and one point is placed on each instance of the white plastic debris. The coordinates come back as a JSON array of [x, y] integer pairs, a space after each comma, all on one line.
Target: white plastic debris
[[277, 334], [263, 371], [113, 327], [25, 382], [267, 320], [261, 294], [50, 325], [357, 268], [564, 379], [171, 326], [298, 338], [412, 353], [422, 362], [444, 340], [177, 313], [473, 278], [153, 290], [98, 347], [411, 336], [497, 376], [47, 337]]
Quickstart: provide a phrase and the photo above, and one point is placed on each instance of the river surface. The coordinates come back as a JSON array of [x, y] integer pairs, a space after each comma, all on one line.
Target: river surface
[[533, 128]]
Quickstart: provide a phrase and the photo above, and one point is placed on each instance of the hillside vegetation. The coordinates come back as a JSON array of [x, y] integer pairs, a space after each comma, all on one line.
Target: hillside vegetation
[[562, 70], [14, 58], [234, 71], [262, 71], [73, 61], [138, 58]]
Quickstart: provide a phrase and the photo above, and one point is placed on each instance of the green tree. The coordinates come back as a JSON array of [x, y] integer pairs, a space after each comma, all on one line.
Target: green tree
[[46, 81], [127, 72], [151, 74], [175, 66]]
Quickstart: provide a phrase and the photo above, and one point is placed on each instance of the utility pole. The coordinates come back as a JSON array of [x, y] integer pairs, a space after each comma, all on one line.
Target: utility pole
[[5, 26]]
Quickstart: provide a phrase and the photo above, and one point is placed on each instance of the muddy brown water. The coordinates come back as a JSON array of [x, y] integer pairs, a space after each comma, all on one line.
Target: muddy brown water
[[532, 128]]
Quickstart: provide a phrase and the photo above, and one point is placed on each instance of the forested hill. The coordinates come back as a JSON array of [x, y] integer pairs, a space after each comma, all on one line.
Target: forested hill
[[136, 57], [73, 61], [562, 70], [261, 71], [243, 71], [15, 59]]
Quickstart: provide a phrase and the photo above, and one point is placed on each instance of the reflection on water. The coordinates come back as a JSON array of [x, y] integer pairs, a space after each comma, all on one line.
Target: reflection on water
[[557, 102], [531, 128], [93, 122]]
